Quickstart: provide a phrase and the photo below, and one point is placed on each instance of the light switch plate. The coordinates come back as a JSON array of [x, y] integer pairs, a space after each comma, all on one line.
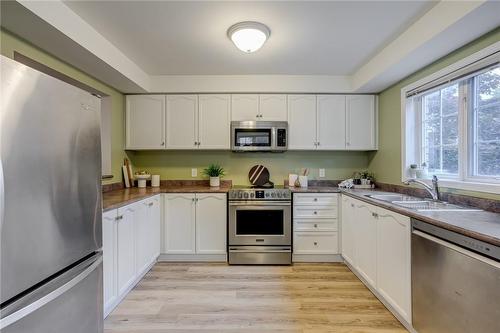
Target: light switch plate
[[194, 172], [322, 173]]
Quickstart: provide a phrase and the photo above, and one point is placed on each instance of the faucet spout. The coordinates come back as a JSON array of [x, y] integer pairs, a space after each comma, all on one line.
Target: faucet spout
[[433, 190]]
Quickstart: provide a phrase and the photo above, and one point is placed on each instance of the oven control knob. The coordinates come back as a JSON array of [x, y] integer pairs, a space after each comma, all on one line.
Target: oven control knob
[[279, 194], [267, 194], [246, 195], [273, 195], [252, 195], [240, 195]]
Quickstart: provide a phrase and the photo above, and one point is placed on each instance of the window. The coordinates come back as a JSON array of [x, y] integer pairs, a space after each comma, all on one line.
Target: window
[[453, 124]]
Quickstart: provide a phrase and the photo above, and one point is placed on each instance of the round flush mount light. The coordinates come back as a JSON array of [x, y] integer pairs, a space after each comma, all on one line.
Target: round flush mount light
[[248, 36]]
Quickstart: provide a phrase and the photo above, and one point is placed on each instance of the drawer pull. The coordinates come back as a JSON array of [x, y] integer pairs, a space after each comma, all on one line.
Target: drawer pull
[[315, 213], [315, 199], [315, 225], [315, 243]]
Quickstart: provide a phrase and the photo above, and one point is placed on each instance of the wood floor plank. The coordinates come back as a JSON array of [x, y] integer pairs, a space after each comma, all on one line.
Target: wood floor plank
[[209, 298]]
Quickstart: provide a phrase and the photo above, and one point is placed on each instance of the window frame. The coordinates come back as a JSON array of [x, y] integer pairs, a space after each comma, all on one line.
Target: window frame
[[413, 115]]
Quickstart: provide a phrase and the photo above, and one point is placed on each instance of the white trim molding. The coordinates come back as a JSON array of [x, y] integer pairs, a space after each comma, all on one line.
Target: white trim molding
[[463, 182]]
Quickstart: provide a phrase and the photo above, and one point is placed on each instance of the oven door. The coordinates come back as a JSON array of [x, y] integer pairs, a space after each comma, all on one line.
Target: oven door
[[259, 223]]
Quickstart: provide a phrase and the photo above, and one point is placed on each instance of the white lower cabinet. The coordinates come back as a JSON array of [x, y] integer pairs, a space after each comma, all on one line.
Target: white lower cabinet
[[376, 244], [131, 238], [315, 227], [195, 226]]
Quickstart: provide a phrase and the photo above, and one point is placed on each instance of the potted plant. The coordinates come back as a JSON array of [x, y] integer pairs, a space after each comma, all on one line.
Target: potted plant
[[367, 177], [214, 171]]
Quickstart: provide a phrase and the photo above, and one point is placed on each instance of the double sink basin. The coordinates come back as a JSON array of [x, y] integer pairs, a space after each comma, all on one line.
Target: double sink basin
[[420, 204]]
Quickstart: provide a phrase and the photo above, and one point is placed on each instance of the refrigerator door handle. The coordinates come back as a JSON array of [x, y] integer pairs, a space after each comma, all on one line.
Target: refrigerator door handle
[[32, 307]]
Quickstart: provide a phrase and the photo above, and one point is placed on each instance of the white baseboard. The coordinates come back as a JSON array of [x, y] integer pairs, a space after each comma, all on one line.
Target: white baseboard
[[317, 258], [120, 298], [381, 298], [193, 257]]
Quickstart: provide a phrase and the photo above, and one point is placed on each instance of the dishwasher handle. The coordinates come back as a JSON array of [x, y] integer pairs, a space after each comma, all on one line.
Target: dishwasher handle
[[457, 248]]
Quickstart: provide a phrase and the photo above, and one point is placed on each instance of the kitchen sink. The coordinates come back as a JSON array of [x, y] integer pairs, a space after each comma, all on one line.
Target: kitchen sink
[[419, 204]]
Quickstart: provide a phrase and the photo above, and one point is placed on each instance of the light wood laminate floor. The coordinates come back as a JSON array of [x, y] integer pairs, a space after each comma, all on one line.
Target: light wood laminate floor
[[209, 298]]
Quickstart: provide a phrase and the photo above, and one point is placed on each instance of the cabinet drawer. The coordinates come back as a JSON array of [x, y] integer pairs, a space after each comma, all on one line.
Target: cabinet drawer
[[315, 243], [327, 212], [315, 199], [315, 225]]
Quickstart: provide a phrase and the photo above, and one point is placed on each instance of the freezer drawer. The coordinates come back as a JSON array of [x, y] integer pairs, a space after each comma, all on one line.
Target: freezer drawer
[[71, 304]]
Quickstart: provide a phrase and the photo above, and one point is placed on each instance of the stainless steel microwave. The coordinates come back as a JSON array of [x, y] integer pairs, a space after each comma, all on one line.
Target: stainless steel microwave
[[255, 136]]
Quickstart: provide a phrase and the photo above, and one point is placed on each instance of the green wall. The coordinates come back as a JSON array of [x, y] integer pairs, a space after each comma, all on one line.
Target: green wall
[[10, 43], [178, 164], [386, 162]]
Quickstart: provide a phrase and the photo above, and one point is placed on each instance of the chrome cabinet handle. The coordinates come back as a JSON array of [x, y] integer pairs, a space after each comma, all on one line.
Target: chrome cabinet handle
[[315, 199], [315, 243], [318, 143], [315, 225], [315, 213], [163, 143], [150, 204]]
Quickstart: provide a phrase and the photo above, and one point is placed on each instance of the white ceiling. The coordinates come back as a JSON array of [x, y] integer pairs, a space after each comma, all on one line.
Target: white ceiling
[[307, 38]]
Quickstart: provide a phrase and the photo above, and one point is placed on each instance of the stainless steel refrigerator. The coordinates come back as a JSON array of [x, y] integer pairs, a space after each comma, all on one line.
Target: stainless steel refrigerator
[[50, 205]]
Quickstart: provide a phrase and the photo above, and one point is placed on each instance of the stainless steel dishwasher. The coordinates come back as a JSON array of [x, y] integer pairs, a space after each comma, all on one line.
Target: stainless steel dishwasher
[[455, 282]]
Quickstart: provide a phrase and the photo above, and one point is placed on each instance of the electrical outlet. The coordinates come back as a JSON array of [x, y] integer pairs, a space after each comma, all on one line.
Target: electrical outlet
[[194, 172], [321, 173]]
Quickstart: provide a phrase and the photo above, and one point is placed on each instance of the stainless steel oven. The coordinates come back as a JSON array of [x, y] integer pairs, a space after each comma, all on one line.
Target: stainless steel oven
[[260, 226], [255, 136]]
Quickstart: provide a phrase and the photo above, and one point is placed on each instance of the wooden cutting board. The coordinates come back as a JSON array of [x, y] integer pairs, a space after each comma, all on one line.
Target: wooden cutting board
[[258, 175]]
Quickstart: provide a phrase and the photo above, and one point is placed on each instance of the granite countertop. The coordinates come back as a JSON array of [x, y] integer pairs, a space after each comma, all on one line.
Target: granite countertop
[[481, 225], [315, 189], [122, 197]]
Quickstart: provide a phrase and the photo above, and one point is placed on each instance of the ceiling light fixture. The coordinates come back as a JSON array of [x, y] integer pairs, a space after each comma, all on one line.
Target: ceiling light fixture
[[248, 36]]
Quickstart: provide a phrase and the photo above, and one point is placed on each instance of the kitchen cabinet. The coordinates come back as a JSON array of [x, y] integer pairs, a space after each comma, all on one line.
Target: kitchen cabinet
[[211, 223], [376, 244], [301, 122], [272, 107], [131, 244], [179, 212], [214, 122], [331, 122], [347, 230], [244, 107], [394, 261], [125, 247], [365, 231], [110, 292], [145, 122], [195, 224], [315, 226], [361, 129], [182, 122]]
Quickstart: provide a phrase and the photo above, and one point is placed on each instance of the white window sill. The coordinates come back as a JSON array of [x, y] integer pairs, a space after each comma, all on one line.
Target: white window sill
[[466, 185]]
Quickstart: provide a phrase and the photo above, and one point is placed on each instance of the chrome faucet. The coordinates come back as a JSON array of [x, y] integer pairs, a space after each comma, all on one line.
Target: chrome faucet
[[433, 190]]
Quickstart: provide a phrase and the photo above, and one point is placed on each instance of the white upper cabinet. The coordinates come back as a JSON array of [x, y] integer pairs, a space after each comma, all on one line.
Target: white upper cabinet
[[272, 107], [179, 214], [302, 122], [145, 122], [182, 121], [361, 122], [211, 223], [244, 107], [331, 121], [214, 122]]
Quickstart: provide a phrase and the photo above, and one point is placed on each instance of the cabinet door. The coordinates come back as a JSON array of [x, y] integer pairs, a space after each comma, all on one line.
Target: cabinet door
[[365, 234], [393, 260], [182, 121], [179, 223], [347, 231], [361, 122], [214, 121], [331, 122], [211, 217], [125, 247], [142, 236], [273, 107], [244, 107], [155, 227], [109, 258], [302, 122], [145, 122]]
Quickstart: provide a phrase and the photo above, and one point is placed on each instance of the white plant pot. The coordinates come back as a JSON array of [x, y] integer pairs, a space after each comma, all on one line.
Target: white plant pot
[[215, 181]]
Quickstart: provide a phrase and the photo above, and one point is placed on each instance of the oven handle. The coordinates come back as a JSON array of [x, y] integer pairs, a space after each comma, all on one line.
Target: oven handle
[[282, 250], [260, 203]]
